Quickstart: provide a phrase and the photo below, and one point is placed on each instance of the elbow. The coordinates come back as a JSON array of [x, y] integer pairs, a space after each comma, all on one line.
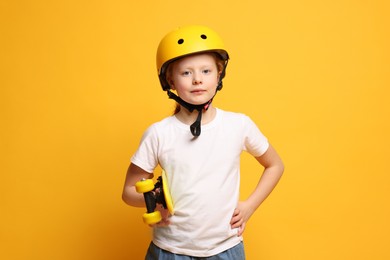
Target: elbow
[[277, 169], [280, 166], [126, 198], [280, 169], [132, 198]]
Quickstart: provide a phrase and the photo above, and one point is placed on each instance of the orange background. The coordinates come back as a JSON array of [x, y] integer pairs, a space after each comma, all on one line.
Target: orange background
[[78, 87]]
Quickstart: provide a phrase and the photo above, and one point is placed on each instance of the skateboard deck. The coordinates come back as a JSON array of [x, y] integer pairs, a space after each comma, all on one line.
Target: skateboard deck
[[167, 194]]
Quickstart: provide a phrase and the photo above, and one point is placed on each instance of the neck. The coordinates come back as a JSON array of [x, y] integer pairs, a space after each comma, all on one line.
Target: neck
[[188, 117], [195, 127]]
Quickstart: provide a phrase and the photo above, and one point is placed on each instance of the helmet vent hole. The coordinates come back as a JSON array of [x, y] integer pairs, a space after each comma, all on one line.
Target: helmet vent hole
[[204, 37], [180, 41]]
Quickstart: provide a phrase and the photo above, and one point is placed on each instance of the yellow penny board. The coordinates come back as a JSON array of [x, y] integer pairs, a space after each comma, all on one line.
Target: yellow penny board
[[167, 194]]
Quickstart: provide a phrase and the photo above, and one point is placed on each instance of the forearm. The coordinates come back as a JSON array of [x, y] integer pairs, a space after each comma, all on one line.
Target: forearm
[[265, 186], [273, 170], [131, 197]]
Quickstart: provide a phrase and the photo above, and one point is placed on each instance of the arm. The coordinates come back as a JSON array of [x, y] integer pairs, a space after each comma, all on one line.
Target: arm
[[273, 170], [135, 199], [130, 195]]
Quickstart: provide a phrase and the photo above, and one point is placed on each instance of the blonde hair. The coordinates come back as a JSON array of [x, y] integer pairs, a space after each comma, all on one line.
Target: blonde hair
[[219, 61]]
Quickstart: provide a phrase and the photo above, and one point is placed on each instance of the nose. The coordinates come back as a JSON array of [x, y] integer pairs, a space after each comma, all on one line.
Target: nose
[[197, 79]]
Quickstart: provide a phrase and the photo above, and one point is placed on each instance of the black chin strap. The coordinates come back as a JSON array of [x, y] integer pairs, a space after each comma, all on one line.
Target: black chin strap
[[195, 127]]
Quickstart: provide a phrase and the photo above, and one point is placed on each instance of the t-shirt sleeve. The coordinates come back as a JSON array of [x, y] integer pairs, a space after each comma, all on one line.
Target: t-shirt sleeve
[[255, 142], [146, 156]]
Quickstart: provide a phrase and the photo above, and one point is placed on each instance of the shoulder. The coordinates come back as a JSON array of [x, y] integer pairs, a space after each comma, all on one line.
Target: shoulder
[[254, 141], [235, 117], [158, 127], [164, 123], [237, 124]]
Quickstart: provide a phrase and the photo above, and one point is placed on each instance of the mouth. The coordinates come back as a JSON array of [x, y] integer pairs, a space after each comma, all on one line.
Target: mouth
[[198, 91]]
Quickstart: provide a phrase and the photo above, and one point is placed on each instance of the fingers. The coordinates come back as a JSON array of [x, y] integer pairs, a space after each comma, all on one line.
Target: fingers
[[237, 221], [241, 229], [162, 223], [165, 215]]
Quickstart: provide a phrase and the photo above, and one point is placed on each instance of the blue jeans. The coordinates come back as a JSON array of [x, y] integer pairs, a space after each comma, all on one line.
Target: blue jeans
[[234, 253]]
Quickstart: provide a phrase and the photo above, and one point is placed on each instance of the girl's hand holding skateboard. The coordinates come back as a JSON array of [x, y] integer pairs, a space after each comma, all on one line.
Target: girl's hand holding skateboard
[[165, 215]]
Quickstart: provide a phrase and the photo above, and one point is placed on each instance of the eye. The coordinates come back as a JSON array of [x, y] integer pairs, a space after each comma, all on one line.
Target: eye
[[204, 37], [206, 71], [186, 73], [180, 41]]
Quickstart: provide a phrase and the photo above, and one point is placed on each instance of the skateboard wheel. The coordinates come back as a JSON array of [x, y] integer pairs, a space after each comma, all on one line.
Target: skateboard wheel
[[144, 186], [152, 218]]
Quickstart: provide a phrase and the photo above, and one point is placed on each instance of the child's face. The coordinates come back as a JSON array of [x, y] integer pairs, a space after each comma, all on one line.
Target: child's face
[[195, 78]]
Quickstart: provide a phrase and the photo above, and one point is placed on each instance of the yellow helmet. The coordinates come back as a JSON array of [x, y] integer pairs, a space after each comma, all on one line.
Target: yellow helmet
[[184, 41]]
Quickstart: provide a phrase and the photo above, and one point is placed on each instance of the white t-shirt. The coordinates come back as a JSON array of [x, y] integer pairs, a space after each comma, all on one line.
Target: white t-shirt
[[203, 177]]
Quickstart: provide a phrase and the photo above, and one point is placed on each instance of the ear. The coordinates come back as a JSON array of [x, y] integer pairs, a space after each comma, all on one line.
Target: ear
[[171, 83], [219, 75]]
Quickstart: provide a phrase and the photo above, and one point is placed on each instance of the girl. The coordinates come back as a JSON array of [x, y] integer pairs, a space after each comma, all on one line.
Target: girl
[[199, 148]]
